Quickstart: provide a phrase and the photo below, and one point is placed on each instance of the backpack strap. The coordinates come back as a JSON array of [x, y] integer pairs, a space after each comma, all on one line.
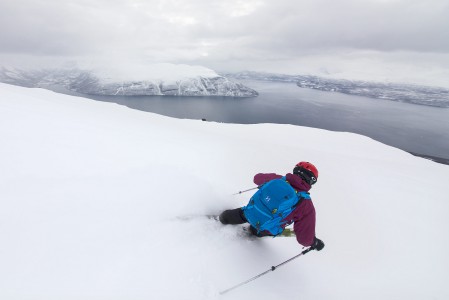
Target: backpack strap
[[301, 194]]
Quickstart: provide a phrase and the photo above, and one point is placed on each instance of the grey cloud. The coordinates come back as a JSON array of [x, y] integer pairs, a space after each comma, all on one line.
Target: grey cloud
[[215, 32], [320, 25], [68, 27]]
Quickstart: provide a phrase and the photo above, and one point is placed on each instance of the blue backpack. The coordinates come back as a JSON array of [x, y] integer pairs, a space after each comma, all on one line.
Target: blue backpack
[[274, 200]]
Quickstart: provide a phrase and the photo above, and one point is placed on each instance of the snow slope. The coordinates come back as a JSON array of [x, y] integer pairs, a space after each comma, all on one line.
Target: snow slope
[[90, 193]]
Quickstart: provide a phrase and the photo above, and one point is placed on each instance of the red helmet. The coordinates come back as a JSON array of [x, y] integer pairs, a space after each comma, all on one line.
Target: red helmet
[[308, 166], [307, 171]]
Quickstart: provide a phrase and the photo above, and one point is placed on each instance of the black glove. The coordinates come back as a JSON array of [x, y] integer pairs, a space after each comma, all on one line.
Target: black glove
[[317, 245]]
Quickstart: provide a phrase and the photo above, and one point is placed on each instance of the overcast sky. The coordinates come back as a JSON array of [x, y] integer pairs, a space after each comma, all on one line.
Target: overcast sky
[[335, 37]]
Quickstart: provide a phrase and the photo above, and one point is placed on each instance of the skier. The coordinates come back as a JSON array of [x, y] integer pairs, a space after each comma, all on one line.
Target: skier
[[302, 214]]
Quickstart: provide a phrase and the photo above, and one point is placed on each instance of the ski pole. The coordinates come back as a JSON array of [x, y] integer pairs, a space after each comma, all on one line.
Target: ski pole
[[270, 270], [245, 191]]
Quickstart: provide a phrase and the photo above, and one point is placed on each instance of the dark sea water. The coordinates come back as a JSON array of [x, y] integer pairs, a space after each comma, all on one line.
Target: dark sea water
[[414, 128]]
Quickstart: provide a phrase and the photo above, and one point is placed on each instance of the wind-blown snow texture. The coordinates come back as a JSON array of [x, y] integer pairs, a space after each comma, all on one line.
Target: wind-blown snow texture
[[90, 193], [192, 81]]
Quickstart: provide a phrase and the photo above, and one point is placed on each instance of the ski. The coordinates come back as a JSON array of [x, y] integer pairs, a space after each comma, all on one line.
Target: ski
[[193, 217], [288, 232]]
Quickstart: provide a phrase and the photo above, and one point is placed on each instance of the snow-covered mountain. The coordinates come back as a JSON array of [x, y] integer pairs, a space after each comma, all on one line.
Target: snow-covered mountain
[[415, 94], [91, 193], [183, 81]]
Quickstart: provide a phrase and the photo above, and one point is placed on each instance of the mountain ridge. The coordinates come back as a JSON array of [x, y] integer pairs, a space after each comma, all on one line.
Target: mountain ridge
[[399, 92], [91, 83]]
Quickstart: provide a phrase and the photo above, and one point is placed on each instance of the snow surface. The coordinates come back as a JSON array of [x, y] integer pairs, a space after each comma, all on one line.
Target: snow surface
[[90, 193]]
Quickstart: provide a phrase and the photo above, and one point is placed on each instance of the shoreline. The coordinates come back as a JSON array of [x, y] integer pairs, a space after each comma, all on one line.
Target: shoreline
[[441, 160]]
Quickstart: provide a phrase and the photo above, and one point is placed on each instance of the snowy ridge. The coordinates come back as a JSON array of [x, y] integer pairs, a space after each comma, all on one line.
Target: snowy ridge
[[90, 193], [408, 93], [183, 81]]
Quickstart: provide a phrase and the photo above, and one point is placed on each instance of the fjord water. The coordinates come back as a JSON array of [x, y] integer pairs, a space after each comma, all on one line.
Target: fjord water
[[414, 128]]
